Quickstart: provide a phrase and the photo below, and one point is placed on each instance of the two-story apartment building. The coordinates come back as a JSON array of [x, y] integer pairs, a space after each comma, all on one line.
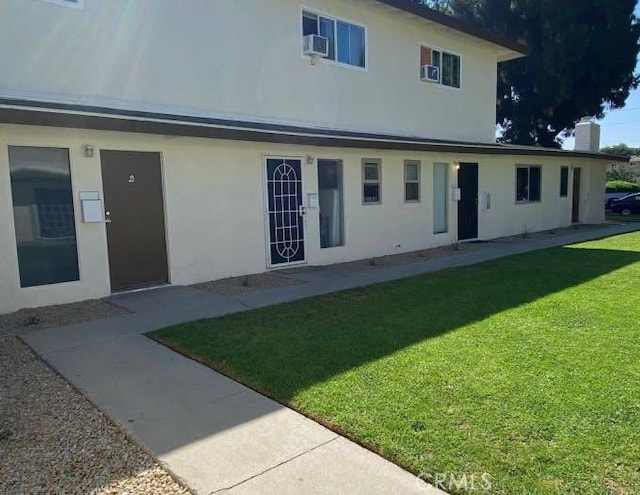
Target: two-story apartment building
[[147, 142]]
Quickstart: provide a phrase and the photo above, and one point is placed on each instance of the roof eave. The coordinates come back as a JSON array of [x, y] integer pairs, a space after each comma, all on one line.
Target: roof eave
[[104, 119], [515, 49]]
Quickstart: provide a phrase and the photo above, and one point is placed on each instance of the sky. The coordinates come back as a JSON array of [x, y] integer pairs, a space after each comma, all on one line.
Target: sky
[[623, 125]]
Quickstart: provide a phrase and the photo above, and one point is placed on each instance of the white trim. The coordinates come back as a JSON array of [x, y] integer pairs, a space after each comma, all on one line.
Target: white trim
[[74, 4], [165, 212]]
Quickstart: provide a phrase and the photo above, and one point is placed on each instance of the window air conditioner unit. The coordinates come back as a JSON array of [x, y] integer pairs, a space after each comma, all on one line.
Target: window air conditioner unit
[[430, 73], [316, 46]]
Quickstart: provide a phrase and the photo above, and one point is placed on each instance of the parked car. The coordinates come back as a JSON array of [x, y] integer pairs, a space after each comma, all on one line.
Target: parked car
[[627, 205], [610, 197]]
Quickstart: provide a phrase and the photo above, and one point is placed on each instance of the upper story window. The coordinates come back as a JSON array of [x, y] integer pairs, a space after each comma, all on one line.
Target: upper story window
[[439, 67], [76, 4], [347, 41]]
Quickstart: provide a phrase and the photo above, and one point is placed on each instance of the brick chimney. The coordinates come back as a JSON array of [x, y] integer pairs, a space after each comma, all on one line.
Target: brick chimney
[[587, 135]]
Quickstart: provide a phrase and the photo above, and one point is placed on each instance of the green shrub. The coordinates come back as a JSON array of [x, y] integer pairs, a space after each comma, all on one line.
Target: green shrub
[[622, 186]]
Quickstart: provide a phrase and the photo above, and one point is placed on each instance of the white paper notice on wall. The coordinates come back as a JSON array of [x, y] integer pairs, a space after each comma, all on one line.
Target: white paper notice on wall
[[312, 200], [456, 194], [92, 211]]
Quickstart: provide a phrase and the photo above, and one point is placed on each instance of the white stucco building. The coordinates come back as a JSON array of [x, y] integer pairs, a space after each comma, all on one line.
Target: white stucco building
[[147, 142]]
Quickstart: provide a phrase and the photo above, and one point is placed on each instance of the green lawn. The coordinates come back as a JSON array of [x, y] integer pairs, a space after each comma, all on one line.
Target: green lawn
[[526, 368]]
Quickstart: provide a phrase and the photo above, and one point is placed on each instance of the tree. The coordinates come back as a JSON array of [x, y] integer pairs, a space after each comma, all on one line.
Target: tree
[[582, 60], [621, 150], [621, 173]]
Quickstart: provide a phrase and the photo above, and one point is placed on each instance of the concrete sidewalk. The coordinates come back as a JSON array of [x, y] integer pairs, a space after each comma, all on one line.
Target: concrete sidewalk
[[211, 432]]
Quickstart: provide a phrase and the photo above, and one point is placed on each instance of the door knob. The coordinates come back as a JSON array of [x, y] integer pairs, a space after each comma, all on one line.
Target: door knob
[[108, 217]]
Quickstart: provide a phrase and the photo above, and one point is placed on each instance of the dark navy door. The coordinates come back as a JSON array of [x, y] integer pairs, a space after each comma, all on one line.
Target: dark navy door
[[285, 210], [468, 204]]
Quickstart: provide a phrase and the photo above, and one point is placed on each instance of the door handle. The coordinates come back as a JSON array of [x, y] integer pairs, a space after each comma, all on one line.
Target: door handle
[[107, 217]]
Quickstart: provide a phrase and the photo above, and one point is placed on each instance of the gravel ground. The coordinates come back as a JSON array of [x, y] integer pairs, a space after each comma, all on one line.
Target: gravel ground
[[58, 316], [238, 285], [406, 258], [52, 439]]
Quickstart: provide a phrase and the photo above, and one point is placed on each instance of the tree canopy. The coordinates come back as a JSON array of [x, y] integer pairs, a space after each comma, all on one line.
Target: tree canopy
[[582, 61], [621, 150]]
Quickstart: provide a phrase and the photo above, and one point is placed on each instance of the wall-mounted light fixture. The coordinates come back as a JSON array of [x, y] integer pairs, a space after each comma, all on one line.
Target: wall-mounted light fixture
[[309, 160], [88, 150], [457, 164]]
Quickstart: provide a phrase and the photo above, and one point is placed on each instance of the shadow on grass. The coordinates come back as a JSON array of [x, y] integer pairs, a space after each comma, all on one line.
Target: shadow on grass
[[288, 348]]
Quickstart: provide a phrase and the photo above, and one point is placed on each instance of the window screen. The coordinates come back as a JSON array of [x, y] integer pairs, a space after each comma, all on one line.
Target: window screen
[[440, 186]]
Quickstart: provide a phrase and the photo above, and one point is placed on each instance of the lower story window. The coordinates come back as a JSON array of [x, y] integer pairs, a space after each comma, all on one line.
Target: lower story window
[[564, 182], [371, 181], [43, 215], [411, 181], [440, 187], [330, 202], [528, 183]]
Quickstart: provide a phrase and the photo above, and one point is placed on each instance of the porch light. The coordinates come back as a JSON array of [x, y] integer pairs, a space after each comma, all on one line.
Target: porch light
[[88, 150]]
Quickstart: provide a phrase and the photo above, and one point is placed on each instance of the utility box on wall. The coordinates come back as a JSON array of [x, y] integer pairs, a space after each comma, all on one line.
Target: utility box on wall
[[92, 211]]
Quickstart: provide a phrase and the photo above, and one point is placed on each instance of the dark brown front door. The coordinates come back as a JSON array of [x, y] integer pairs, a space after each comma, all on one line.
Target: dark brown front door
[[134, 211], [575, 210]]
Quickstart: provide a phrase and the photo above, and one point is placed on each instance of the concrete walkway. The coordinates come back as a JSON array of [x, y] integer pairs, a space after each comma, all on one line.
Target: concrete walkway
[[213, 433]]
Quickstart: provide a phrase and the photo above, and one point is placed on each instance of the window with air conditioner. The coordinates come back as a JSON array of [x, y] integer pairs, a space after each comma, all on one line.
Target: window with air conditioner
[[346, 41], [440, 67]]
